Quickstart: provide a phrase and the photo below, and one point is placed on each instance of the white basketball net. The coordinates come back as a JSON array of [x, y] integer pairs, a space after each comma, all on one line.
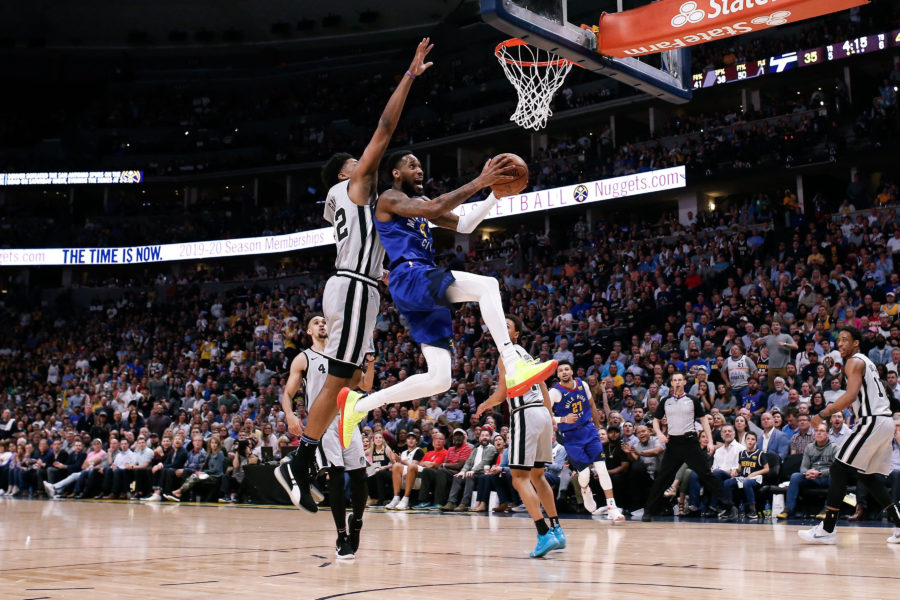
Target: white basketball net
[[536, 75]]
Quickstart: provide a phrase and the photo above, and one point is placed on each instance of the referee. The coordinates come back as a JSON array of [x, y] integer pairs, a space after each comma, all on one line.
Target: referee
[[683, 446]]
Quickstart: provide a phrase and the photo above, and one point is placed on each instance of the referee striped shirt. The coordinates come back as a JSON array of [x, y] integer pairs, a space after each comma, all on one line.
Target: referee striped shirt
[[681, 413]]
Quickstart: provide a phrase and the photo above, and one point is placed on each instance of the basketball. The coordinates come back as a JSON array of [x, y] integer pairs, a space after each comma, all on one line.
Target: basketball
[[516, 185]]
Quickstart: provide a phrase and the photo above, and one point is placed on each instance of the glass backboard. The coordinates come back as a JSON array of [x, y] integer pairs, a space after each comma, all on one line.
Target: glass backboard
[[545, 24]]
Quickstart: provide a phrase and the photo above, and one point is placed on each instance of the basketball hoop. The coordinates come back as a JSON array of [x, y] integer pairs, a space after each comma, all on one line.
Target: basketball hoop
[[537, 75]]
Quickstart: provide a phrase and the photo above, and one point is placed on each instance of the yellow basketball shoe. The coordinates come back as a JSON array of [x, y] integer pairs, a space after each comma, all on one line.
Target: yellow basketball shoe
[[526, 374], [349, 418]]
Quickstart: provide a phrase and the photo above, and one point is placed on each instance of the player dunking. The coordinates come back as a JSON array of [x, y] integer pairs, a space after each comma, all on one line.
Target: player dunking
[[351, 299], [867, 451], [424, 292], [530, 448], [574, 410], [311, 366]]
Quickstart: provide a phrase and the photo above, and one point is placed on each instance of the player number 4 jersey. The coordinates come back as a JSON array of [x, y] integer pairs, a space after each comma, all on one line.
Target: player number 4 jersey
[[315, 375]]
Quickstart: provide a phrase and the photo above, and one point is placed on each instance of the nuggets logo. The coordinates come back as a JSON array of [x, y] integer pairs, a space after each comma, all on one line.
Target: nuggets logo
[[130, 177], [580, 194]]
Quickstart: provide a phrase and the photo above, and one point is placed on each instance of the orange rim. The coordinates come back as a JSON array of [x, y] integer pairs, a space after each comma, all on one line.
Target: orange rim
[[513, 42]]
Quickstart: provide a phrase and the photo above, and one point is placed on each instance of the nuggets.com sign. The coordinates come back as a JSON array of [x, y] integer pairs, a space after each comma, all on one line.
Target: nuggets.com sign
[[573, 195], [673, 24], [583, 193]]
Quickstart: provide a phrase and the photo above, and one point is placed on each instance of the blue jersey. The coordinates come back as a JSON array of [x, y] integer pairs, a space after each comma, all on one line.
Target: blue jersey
[[418, 286], [406, 238], [573, 401]]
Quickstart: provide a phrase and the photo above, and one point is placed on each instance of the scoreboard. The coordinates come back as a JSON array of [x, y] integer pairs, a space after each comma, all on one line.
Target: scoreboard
[[798, 59]]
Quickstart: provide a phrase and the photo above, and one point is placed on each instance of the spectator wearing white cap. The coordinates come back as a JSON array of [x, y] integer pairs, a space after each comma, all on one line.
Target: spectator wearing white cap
[[778, 397]]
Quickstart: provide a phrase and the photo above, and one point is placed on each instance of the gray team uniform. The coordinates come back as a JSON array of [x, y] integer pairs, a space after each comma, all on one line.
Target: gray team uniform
[[351, 300], [531, 427], [868, 448], [329, 453]]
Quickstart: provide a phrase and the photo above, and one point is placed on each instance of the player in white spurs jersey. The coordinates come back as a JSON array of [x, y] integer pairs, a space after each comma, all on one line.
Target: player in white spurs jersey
[[530, 448], [867, 451], [311, 366], [351, 299]]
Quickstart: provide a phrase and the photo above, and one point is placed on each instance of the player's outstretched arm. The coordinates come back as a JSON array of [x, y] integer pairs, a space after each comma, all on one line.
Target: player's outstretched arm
[[365, 176], [298, 367], [437, 210]]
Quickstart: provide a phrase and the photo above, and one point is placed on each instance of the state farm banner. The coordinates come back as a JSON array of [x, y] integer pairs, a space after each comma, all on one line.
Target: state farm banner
[[672, 24]]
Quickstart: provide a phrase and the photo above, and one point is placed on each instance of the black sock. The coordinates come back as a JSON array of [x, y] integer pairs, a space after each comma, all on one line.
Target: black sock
[[831, 517], [541, 525], [303, 459], [336, 498], [359, 492], [554, 522]]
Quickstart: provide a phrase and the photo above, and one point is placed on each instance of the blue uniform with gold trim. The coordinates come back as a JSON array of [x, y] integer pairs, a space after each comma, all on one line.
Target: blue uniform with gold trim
[[580, 439], [417, 285]]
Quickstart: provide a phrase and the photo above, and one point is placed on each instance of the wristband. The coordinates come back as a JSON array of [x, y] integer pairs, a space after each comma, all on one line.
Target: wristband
[[822, 415], [410, 74]]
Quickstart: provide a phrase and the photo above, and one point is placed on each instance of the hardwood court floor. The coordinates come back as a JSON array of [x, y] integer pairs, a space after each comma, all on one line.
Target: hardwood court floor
[[99, 550]]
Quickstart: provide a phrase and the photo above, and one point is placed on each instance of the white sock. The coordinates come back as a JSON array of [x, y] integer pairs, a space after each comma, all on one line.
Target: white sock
[[435, 381], [486, 292], [611, 502]]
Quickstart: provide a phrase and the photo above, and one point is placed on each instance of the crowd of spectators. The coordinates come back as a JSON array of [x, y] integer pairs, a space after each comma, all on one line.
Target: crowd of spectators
[[188, 383]]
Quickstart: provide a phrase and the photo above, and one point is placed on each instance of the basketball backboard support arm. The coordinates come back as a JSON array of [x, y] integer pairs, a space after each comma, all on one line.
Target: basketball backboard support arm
[[579, 46]]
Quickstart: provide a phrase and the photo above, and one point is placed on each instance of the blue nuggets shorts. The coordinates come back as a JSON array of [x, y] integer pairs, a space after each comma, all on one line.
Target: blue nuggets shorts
[[420, 292], [583, 446]]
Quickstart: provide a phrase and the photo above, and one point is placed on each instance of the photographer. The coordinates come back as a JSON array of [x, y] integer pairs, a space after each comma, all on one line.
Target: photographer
[[246, 452]]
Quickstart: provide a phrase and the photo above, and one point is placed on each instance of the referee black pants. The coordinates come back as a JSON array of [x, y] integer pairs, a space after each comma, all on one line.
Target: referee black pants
[[684, 449]]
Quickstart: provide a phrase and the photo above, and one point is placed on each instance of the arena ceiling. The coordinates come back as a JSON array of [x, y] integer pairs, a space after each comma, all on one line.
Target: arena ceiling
[[183, 23], [110, 23]]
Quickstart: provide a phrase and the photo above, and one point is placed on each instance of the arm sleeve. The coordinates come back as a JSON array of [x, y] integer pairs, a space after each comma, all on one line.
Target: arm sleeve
[[474, 216]]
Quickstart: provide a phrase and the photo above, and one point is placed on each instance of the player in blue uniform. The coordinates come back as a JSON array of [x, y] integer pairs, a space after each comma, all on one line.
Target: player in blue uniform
[[424, 292], [574, 412]]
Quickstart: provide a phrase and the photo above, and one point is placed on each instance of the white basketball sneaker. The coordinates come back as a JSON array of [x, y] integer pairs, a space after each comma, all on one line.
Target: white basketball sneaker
[[393, 503], [614, 514], [895, 539], [818, 535], [587, 497], [404, 504]]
